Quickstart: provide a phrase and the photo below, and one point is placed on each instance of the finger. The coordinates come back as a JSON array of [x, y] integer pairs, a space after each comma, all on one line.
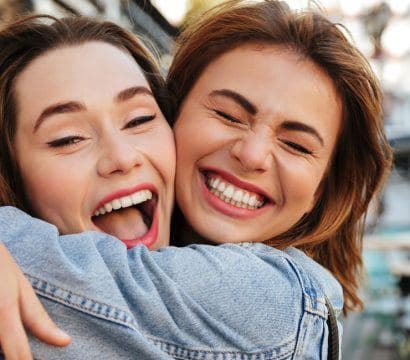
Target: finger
[[13, 337], [36, 320]]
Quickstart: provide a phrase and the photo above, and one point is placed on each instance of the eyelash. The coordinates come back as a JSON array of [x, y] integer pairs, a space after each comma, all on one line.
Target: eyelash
[[227, 116], [65, 141], [139, 121], [291, 144], [297, 147], [75, 139]]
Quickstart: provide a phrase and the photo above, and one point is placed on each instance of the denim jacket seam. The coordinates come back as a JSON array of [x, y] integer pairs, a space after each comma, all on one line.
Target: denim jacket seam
[[191, 353], [305, 282], [84, 304], [309, 301]]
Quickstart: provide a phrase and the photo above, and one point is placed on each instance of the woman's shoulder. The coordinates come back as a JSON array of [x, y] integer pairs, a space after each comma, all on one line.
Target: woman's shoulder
[[319, 277], [317, 282], [290, 273]]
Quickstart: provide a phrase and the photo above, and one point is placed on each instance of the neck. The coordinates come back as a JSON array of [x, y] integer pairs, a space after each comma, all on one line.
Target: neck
[[183, 234]]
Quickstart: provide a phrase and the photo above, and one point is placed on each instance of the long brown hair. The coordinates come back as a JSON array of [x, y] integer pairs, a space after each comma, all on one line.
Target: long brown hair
[[332, 232], [28, 38]]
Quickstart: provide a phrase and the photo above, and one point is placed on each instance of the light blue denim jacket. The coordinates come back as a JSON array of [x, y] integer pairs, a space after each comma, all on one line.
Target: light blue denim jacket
[[199, 302]]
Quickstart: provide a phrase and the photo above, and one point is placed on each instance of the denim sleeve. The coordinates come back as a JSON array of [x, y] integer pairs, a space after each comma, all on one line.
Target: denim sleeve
[[199, 301]]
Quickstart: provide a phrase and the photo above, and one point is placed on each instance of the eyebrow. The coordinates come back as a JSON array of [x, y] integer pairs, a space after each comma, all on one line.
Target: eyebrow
[[75, 106], [238, 98], [298, 126], [60, 108], [129, 93]]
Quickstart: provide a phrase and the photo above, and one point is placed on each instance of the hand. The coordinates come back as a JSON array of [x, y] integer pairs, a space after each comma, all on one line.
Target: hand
[[20, 309]]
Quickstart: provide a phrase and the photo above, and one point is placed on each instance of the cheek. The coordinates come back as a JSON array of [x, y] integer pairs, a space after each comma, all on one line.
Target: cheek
[[52, 187], [300, 180], [196, 136], [166, 156], [159, 148]]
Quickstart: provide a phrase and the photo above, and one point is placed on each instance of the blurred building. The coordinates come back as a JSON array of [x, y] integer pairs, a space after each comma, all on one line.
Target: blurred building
[[140, 16]]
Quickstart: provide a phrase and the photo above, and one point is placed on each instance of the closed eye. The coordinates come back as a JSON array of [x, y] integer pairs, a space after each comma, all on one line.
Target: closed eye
[[297, 147], [65, 141], [226, 116], [139, 121]]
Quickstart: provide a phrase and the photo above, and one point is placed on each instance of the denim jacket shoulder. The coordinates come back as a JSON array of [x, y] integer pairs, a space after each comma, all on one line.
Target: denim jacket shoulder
[[198, 302]]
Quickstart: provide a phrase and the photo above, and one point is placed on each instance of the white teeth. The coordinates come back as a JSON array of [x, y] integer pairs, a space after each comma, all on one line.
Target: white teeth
[[116, 204], [148, 194], [228, 191], [245, 198], [238, 195], [252, 201], [221, 186], [233, 195], [137, 197], [124, 202], [108, 207]]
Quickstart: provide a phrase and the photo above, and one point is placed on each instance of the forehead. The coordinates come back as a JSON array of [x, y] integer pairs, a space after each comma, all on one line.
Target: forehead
[[87, 71], [270, 66]]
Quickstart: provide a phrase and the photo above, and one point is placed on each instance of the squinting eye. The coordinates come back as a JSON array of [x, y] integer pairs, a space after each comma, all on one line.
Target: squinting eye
[[297, 147], [226, 116], [65, 141], [139, 121]]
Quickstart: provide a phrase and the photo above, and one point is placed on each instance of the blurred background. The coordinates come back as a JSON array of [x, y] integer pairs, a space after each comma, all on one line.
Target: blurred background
[[381, 29]]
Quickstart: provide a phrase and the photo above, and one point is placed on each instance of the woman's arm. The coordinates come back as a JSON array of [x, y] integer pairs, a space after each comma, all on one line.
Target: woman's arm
[[214, 298], [20, 309]]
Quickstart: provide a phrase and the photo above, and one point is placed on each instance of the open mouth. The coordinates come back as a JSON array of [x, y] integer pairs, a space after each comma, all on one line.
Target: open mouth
[[233, 194], [129, 218]]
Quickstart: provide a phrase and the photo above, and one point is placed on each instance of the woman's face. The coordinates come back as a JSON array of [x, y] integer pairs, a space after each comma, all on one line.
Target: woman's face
[[93, 148], [254, 137]]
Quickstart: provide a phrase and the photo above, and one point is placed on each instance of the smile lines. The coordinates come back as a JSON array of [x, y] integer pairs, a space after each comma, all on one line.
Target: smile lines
[[124, 202], [233, 195]]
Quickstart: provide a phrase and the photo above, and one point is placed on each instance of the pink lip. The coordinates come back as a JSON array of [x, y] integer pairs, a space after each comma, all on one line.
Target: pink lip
[[228, 209], [125, 192], [152, 235]]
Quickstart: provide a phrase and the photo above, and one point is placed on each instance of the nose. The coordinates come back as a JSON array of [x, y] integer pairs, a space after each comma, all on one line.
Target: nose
[[254, 151], [117, 156]]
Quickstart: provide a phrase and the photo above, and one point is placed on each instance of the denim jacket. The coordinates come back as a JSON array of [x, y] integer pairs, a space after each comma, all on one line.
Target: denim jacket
[[245, 301]]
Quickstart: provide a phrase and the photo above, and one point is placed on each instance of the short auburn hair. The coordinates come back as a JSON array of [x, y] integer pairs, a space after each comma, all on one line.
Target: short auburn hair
[[332, 232], [28, 38]]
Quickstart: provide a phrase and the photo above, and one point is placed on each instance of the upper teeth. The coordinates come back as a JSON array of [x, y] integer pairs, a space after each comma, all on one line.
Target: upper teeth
[[124, 202], [234, 195]]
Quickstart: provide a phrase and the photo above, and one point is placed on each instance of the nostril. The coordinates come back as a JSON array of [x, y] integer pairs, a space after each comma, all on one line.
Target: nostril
[[119, 162]]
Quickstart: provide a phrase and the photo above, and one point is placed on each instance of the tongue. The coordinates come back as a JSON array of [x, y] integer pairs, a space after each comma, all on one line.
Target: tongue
[[126, 224]]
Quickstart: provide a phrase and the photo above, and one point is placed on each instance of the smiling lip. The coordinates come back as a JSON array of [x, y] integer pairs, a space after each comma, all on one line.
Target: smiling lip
[[228, 209], [238, 183], [152, 235]]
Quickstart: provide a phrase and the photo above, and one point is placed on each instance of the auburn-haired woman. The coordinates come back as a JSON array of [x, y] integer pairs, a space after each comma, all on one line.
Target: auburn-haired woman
[[279, 141]]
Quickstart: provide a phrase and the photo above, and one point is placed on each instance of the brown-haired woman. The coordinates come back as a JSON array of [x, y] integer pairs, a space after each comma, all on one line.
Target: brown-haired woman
[[290, 174], [331, 231], [80, 109]]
